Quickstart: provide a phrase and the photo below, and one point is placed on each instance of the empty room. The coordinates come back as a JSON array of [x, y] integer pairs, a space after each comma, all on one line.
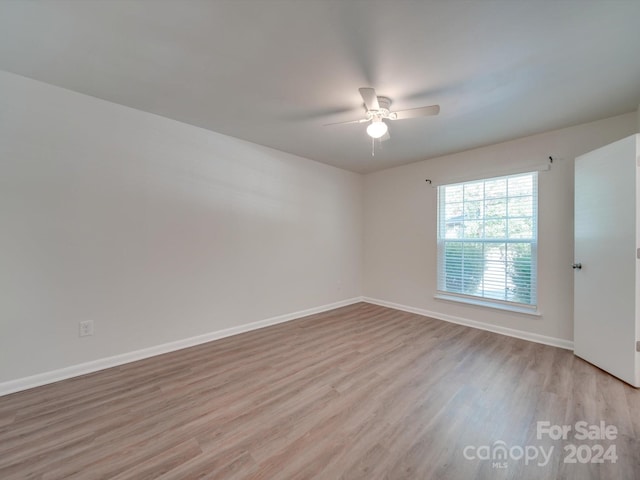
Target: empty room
[[319, 239]]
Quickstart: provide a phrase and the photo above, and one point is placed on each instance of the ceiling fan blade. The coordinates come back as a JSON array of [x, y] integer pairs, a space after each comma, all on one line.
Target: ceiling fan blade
[[370, 98], [415, 112], [385, 137], [362, 120]]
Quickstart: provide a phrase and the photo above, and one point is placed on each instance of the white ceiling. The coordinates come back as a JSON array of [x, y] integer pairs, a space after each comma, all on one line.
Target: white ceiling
[[274, 71]]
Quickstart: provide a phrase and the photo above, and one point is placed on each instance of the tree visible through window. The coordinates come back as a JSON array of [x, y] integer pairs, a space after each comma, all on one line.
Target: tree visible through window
[[487, 238]]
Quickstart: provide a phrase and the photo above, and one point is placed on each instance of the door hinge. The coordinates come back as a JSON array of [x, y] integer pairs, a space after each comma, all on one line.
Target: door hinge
[[637, 346], [638, 253]]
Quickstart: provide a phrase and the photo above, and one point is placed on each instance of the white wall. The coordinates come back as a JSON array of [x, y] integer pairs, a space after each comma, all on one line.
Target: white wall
[[154, 229], [160, 231], [400, 225]]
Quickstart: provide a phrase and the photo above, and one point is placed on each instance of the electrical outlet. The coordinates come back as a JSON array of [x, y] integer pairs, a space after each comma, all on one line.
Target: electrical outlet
[[85, 328]]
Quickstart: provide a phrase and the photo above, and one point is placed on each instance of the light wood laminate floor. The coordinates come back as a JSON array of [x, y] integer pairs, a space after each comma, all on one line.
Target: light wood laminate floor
[[359, 392]]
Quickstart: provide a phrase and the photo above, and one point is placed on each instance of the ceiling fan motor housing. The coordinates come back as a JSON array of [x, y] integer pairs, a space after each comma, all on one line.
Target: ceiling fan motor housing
[[384, 104]]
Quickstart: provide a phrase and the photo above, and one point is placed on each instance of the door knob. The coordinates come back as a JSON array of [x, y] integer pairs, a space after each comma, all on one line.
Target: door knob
[[577, 266]]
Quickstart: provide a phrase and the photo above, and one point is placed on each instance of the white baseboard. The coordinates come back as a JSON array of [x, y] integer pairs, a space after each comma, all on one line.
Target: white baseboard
[[32, 381], [25, 383], [510, 332]]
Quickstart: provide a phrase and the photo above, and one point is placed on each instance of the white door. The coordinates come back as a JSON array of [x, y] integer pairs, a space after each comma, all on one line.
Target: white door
[[605, 317]]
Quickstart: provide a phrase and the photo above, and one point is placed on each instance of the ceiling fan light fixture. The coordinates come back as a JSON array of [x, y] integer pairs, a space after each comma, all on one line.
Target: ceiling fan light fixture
[[377, 129]]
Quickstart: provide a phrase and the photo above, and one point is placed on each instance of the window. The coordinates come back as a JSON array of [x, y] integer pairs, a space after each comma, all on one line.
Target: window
[[487, 240]]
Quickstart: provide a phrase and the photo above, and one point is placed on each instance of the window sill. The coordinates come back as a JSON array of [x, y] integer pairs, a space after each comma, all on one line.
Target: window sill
[[533, 311]]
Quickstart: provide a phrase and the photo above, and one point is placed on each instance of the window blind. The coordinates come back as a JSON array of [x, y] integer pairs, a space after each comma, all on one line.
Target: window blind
[[487, 238]]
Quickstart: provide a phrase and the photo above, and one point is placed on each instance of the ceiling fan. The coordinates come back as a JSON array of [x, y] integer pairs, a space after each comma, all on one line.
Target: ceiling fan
[[378, 110]]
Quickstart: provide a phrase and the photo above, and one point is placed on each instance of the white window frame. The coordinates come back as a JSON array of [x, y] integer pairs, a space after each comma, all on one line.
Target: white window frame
[[479, 300]]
